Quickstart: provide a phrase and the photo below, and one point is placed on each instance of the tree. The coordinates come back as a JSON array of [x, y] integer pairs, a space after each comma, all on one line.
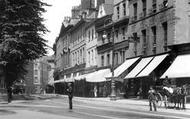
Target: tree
[[21, 36]]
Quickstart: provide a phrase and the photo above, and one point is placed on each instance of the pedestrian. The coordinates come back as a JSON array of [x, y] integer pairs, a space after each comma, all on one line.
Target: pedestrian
[[9, 94], [95, 91], [183, 96], [70, 95], [152, 99]]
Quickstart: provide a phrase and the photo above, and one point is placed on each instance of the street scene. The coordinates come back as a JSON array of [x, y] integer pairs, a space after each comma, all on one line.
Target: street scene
[[57, 107], [94, 59]]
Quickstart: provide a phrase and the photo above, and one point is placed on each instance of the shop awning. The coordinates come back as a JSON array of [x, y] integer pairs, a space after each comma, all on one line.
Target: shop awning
[[119, 70], [69, 79], [138, 68], [80, 77], [180, 68], [98, 76], [59, 81], [152, 65]]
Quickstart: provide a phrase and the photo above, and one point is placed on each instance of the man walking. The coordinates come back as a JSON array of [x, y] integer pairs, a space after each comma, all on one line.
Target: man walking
[[152, 99], [183, 94], [70, 95], [9, 94]]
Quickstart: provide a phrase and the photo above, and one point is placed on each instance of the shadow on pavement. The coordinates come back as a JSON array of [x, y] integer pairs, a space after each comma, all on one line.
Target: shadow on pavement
[[6, 112]]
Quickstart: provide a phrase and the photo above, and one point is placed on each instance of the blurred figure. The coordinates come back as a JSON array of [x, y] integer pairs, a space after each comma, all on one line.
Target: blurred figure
[[95, 91], [152, 99], [70, 95], [183, 94], [9, 94]]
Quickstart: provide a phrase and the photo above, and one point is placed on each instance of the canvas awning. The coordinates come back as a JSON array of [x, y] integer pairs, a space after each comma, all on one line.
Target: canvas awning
[[180, 68], [98, 76], [70, 79], [80, 77], [59, 81], [124, 66], [139, 67], [152, 65]]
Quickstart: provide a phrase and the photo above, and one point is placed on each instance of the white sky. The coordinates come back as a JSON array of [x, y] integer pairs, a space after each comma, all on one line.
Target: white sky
[[55, 16]]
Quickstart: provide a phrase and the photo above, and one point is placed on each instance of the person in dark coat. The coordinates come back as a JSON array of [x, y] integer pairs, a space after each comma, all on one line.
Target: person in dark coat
[[183, 96], [9, 94], [70, 95], [152, 99]]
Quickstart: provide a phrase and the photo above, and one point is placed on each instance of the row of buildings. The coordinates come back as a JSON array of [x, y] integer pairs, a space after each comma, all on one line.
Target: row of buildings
[[139, 42]]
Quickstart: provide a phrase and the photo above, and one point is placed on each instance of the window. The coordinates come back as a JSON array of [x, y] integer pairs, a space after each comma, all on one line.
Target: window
[[35, 72], [154, 6], [108, 59], [123, 31], [124, 9], [165, 3], [144, 7], [135, 43], [122, 55], [36, 80], [92, 52], [36, 65], [75, 57], [154, 39], [109, 37], [116, 58], [165, 29], [89, 36], [83, 56], [116, 33], [78, 57], [92, 34], [144, 41], [89, 57], [118, 12], [102, 60], [135, 11]]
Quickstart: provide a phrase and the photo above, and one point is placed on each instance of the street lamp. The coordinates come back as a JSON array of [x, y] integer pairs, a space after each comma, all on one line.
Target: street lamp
[[113, 92]]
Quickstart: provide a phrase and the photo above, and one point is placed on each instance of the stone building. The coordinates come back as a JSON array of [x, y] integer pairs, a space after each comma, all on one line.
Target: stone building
[[154, 26]]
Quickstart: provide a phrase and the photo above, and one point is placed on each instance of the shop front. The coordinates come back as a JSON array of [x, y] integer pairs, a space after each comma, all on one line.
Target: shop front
[[145, 74]]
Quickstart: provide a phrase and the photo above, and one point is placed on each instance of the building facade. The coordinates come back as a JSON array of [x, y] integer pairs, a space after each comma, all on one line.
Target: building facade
[[117, 32], [157, 24]]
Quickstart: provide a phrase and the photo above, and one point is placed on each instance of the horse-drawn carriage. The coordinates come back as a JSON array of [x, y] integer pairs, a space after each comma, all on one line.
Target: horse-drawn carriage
[[170, 96]]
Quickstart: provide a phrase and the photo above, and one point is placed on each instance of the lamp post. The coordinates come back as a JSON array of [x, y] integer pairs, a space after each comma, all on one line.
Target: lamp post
[[113, 92]]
